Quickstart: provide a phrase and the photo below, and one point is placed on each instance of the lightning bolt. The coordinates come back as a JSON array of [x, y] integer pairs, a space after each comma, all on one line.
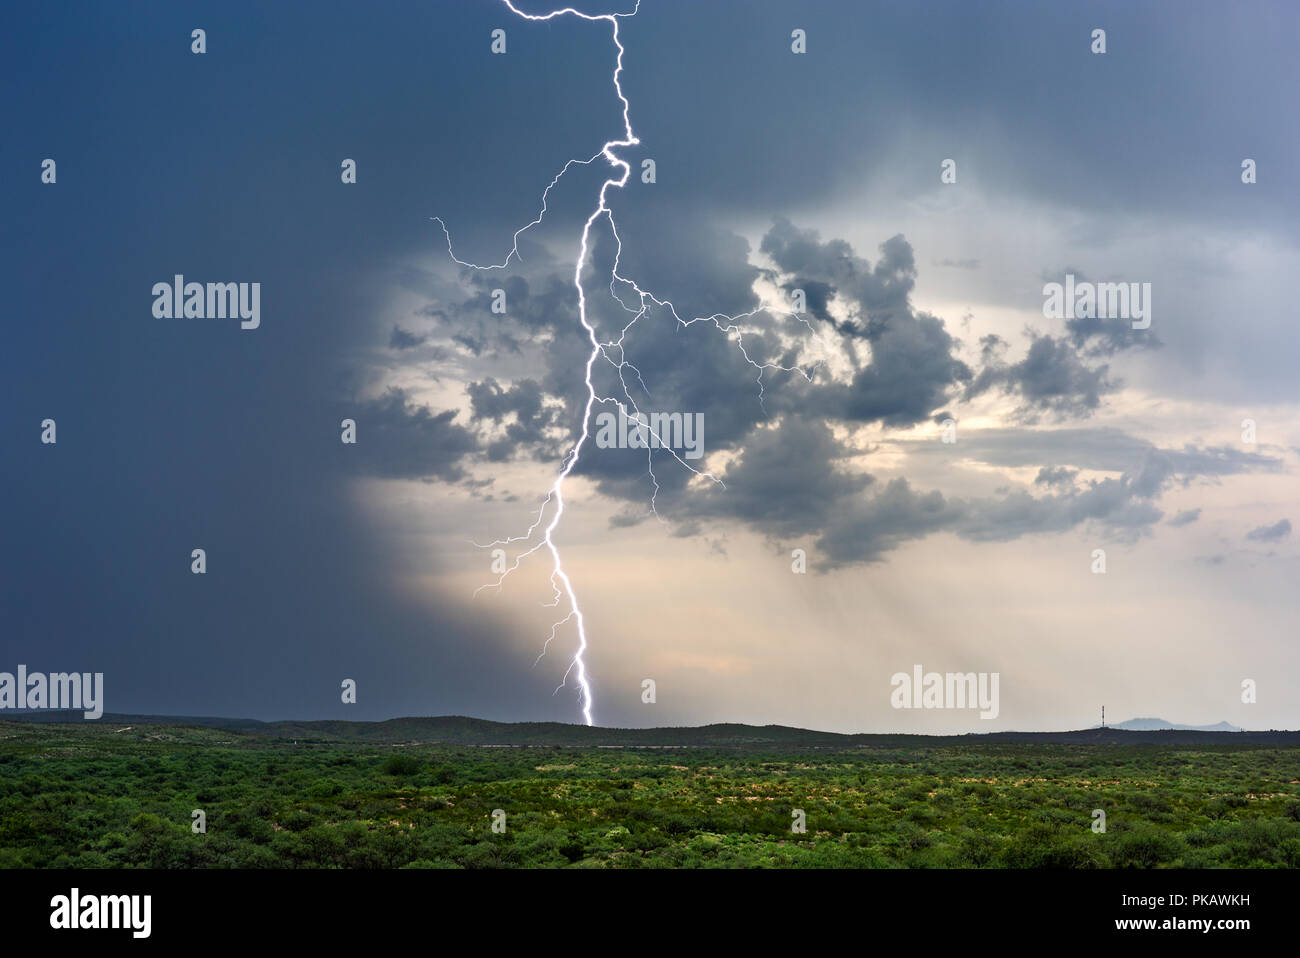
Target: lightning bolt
[[561, 584]]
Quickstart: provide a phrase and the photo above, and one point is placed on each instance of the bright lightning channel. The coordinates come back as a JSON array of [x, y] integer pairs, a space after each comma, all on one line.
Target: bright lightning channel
[[560, 582]]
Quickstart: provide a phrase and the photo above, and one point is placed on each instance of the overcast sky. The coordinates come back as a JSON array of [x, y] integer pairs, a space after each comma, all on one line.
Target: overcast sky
[[775, 171]]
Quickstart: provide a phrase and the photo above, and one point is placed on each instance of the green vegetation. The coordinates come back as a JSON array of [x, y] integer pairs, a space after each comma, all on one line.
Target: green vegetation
[[97, 795]]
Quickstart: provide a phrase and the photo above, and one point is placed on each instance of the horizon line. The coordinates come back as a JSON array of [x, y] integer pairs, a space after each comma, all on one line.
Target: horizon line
[[29, 713]]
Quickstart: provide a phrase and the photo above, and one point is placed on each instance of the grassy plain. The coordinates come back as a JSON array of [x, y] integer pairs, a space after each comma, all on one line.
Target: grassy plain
[[97, 795]]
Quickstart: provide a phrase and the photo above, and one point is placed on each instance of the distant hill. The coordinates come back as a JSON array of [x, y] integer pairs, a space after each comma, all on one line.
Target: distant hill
[[459, 730], [1154, 724]]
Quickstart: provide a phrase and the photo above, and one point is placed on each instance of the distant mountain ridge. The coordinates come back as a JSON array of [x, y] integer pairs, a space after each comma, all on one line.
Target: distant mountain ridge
[[461, 730], [1155, 724]]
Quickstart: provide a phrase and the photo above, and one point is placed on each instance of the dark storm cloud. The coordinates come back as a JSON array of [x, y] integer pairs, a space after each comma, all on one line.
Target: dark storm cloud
[[538, 298], [401, 339], [790, 487], [911, 371], [1055, 377], [701, 268], [692, 369], [790, 482], [669, 366], [1274, 533], [913, 365], [817, 296], [785, 482], [398, 439], [1050, 379], [523, 404], [873, 295], [866, 528], [791, 479], [1104, 337], [1095, 336]]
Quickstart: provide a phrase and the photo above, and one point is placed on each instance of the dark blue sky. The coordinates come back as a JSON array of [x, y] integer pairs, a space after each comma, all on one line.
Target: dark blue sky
[[175, 435]]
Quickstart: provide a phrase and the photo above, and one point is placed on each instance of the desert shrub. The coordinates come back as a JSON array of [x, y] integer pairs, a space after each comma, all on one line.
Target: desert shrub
[[399, 764]]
